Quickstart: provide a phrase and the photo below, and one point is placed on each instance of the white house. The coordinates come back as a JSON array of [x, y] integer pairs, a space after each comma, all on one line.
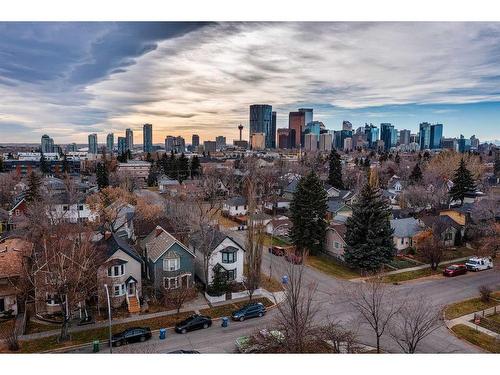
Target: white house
[[335, 241], [164, 182], [279, 226], [236, 206], [404, 231], [63, 208], [225, 254]]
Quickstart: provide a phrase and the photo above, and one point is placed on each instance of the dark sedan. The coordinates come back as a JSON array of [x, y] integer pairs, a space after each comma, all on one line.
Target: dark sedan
[[193, 323], [136, 334], [455, 270], [252, 310], [184, 351]]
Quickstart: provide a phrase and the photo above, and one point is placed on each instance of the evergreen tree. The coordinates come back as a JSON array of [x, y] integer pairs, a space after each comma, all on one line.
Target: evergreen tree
[[153, 175], [44, 166], [2, 168], [65, 164], [463, 182], [368, 239], [172, 166], [149, 157], [34, 183], [102, 176], [497, 167], [367, 163], [196, 166], [335, 170], [416, 174], [308, 210], [129, 155], [397, 159], [182, 168]]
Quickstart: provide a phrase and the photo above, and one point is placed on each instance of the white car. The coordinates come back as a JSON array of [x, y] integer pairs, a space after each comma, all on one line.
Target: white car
[[479, 264]]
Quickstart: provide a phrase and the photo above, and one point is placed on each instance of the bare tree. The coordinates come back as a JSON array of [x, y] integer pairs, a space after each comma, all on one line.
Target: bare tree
[[176, 297], [375, 303], [416, 320], [64, 264], [430, 247]]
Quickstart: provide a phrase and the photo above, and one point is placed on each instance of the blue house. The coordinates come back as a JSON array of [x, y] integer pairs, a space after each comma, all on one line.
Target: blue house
[[169, 264]]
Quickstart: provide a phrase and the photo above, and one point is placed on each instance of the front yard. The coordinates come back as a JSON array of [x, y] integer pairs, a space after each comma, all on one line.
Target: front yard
[[469, 306], [480, 339], [227, 309], [330, 267], [410, 275], [277, 241]]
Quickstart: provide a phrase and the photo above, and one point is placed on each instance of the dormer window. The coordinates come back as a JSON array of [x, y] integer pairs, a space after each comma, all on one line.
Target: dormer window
[[115, 271], [229, 255], [172, 263]]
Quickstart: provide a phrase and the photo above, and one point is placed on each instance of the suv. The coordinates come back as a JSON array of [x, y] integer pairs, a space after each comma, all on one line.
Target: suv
[[192, 323], [455, 270], [131, 335], [252, 310]]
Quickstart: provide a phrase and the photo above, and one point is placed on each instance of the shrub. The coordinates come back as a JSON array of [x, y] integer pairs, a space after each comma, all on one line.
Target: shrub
[[485, 292]]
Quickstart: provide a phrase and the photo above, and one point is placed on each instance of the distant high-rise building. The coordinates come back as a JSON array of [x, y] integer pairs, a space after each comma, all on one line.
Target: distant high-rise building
[[110, 142], [339, 137], [371, 132], [404, 137], [169, 143], [308, 115], [283, 138], [449, 144], [272, 133], [195, 140], [346, 125], [425, 136], [72, 147], [147, 138], [348, 144], [474, 142], [129, 135], [209, 146], [464, 144], [261, 121], [325, 142], [297, 122], [388, 134], [179, 144], [436, 136], [240, 128], [415, 138], [314, 127], [92, 143], [122, 145], [258, 141], [47, 144], [310, 142], [220, 142]]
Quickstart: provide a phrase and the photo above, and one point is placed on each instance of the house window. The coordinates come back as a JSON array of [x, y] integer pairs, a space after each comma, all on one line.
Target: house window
[[80, 207], [229, 257], [336, 245], [231, 275], [402, 241], [171, 282], [448, 236], [118, 290], [171, 264], [116, 271], [65, 208], [53, 299]]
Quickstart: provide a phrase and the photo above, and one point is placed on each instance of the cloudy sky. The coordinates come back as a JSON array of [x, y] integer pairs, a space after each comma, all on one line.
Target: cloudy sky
[[71, 79]]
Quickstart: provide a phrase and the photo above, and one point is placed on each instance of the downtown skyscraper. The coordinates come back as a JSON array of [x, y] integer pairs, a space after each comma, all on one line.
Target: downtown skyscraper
[[147, 138], [93, 143], [261, 122], [110, 141]]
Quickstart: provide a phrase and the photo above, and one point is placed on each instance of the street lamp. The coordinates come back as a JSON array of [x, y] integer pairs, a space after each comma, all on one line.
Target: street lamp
[[272, 235], [109, 319]]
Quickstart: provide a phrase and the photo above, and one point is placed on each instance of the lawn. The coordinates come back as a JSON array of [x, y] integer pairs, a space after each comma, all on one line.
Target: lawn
[[480, 339], [277, 241], [400, 263], [491, 322], [459, 252], [35, 327], [331, 267], [469, 306], [6, 328], [77, 338], [227, 309], [410, 275], [270, 284]]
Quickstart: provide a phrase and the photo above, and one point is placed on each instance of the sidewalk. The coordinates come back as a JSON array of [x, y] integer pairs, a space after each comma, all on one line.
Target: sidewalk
[[466, 320]]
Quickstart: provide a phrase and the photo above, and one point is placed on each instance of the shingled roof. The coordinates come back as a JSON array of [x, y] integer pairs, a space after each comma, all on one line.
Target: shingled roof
[[160, 241]]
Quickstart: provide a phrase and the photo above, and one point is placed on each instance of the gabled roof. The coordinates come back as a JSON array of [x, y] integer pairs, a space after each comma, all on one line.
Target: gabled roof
[[292, 186], [115, 243], [159, 241], [213, 236], [407, 227], [335, 205], [236, 201], [430, 221], [341, 229], [12, 251]]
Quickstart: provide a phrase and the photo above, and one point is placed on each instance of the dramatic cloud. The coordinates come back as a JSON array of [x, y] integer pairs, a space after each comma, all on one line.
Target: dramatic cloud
[[186, 77]]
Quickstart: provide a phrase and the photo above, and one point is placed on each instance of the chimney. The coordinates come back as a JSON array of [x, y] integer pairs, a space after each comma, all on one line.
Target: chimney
[[159, 230], [107, 235]]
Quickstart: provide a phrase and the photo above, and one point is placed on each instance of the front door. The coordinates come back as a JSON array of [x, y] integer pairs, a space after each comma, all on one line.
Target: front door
[[131, 288]]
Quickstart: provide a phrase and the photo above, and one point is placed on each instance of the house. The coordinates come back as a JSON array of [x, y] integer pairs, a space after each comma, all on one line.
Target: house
[[335, 241], [404, 231], [164, 182], [236, 206], [169, 264], [4, 220], [394, 185], [291, 188], [14, 254], [223, 254], [277, 204], [451, 232], [17, 215], [279, 226], [261, 218], [120, 268], [336, 207], [69, 209]]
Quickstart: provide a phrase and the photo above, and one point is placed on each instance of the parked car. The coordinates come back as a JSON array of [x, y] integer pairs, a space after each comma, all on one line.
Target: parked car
[[184, 351], [293, 258], [136, 334], [455, 270], [252, 310], [479, 264], [193, 323], [278, 251]]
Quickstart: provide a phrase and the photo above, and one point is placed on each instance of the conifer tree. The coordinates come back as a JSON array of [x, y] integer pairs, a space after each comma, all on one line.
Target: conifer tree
[[172, 166], [196, 166], [182, 168], [416, 174], [102, 175], [308, 210], [1, 165], [463, 183], [33, 193], [369, 242], [335, 170], [44, 167]]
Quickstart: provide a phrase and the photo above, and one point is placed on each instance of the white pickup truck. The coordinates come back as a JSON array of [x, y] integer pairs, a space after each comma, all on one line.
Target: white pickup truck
[[479, 264]]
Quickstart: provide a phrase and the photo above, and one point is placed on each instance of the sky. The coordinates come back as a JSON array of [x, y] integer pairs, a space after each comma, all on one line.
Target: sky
[[71, 79]]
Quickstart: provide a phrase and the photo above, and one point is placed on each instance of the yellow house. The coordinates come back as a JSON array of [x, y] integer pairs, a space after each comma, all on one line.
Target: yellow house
[[456, 216]]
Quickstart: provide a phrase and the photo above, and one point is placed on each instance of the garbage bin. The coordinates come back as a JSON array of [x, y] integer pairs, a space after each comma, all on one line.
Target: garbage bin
[[95, 346], [163, 333], [284, 279], [225, 321]]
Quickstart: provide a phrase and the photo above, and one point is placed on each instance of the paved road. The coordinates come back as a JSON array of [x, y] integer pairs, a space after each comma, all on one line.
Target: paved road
[[333, 307]]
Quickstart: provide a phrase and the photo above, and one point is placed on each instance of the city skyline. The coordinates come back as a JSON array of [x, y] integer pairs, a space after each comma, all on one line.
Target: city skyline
[[187, 78]]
